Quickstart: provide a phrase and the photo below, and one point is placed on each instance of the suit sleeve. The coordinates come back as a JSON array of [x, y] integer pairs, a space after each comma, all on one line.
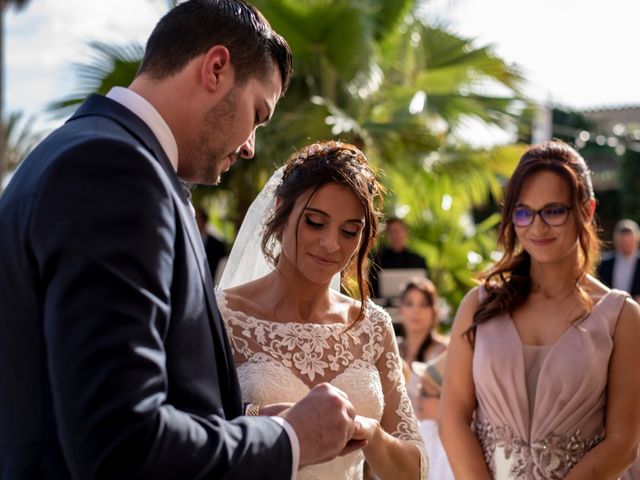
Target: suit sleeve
[[103, 233], [605, 270]]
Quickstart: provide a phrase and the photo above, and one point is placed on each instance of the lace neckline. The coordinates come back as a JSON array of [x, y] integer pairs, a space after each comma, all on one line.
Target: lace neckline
[[333, 325]]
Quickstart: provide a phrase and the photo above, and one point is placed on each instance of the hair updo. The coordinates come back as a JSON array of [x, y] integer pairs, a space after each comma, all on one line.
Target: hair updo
[[313, 167]]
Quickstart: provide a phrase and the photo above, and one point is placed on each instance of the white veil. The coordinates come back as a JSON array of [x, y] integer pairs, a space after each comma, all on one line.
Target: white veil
[[246, 261]]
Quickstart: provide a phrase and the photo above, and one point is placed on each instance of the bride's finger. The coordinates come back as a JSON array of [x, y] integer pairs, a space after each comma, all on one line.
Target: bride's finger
[[364, 428], [352, 446]]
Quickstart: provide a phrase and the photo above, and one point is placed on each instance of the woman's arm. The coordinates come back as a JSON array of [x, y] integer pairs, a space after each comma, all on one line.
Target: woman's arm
[[459, 400], [395, 449], [619, 449]]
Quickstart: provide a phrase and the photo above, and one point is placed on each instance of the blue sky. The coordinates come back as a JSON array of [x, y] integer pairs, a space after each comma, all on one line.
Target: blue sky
[[579, 53]]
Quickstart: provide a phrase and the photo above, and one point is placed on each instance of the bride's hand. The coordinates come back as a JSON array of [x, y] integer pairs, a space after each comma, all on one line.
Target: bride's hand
[[274, 409], [365, 429]]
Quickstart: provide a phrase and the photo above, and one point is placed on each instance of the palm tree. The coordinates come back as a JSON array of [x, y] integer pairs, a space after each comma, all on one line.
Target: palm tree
[[18, 4], [374, 74], [108, 66], [399, 89], [359, 66]]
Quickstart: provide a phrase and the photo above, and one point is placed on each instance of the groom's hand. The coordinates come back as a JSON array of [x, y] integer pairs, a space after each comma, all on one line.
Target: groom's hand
[[324, 423]]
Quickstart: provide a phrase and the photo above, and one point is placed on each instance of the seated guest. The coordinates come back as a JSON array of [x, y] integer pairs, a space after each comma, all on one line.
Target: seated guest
[[395, 254], [424, 357], [619, 268]]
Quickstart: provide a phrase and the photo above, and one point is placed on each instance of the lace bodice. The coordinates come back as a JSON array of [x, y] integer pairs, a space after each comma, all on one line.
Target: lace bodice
[[281, 362]]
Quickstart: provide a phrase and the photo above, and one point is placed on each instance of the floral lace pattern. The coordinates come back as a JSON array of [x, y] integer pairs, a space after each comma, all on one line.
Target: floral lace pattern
[[283, 361], [550, 458], [310, 349]]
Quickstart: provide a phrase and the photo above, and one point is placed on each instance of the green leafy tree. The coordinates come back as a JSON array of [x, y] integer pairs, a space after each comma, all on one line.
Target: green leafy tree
[[374, 74]]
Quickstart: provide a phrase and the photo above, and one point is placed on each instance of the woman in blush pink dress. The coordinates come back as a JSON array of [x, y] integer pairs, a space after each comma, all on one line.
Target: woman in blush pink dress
[[541, 380]]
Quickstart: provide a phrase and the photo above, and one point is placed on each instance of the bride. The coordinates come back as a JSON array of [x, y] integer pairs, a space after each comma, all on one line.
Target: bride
[[290, 328]]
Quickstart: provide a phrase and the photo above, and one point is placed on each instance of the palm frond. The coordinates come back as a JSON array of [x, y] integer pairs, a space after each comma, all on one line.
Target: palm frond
[[108, 66]]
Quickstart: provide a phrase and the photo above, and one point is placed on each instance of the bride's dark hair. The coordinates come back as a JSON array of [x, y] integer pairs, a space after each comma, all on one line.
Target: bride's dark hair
[[309, 169]]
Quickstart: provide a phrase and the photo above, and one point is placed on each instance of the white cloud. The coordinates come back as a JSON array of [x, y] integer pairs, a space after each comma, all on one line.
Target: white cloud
[[43, 41]]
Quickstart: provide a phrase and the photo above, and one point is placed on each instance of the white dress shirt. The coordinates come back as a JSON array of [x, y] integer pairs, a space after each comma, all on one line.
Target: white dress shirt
[[152, 118], [149, 115]]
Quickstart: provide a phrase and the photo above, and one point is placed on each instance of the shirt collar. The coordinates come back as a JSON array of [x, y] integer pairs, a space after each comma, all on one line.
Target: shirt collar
[[149, 115], [625, 258]]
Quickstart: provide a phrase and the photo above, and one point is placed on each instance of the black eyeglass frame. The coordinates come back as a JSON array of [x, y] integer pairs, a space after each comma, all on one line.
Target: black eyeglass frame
[[540, 212]]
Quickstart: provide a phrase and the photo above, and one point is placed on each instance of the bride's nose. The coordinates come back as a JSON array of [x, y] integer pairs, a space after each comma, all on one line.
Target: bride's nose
[[329, 240]]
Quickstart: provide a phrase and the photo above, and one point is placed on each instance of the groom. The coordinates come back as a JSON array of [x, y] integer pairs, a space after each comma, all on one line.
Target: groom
[[113, 359]]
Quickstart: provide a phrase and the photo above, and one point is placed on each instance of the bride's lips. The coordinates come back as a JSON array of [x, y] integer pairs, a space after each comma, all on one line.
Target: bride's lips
[[322, 261]]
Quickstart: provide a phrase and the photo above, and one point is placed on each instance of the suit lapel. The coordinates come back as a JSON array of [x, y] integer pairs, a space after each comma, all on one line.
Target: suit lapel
[[102, 106]]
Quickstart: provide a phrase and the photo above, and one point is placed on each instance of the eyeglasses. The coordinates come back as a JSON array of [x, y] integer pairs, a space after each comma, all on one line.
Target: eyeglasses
[[552, 215]]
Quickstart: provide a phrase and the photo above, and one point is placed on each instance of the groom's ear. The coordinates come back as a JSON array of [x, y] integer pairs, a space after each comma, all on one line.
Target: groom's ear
[[216, 71]]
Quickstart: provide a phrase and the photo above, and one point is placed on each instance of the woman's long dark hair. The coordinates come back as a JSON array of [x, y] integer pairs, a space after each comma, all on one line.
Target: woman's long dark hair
[[508, 283], [308, 170], [428, 290]]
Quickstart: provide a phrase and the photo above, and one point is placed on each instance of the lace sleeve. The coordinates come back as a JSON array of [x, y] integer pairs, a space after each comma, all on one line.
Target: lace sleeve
[[398, 417]]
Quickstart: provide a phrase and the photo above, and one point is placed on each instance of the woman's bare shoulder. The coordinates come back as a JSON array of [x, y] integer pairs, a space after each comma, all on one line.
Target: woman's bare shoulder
[[595, 288], [248, 298], [466, 310]]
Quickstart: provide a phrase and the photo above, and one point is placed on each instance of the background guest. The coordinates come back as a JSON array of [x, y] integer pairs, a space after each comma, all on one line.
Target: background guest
[[619, 268], [424, 357], [395, 254]]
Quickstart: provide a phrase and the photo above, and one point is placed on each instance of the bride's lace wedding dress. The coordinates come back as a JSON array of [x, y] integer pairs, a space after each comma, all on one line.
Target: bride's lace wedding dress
[[281, 362]]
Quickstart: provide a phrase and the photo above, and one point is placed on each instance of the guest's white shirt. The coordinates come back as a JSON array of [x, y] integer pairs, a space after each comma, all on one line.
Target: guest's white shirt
[[623, 271], [152, 118]]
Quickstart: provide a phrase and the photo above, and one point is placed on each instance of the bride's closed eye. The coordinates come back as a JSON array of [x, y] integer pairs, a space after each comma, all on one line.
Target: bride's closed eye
[[311, 223], [318, 226], [350, 233]]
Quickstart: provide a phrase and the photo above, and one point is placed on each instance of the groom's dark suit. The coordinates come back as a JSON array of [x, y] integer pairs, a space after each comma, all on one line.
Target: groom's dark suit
[[113, 359]]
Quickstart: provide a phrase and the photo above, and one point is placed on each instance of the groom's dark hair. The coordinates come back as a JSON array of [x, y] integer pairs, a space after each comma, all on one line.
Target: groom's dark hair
[[193, 27]]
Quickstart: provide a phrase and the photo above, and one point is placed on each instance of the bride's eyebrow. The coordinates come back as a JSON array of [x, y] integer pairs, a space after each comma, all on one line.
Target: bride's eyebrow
[[322, 212]]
